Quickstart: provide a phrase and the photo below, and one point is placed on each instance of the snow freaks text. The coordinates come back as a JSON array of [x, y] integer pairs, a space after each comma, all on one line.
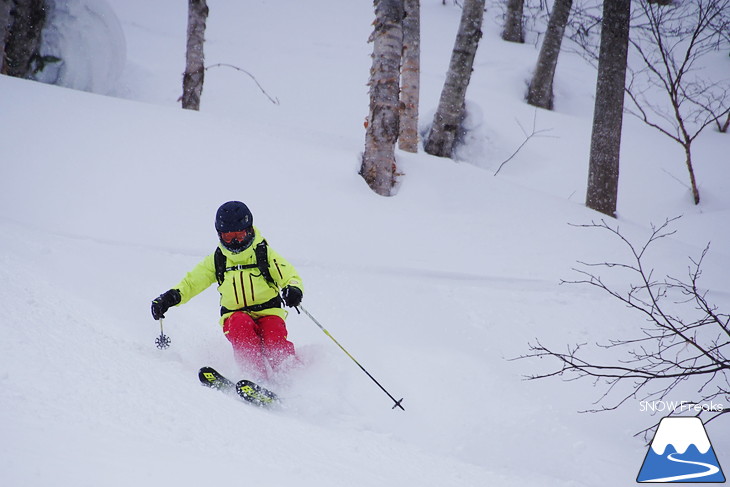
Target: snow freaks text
[[680, 407]]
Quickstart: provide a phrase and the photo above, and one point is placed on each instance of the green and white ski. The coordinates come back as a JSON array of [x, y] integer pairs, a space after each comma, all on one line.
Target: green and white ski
[[247, 390]]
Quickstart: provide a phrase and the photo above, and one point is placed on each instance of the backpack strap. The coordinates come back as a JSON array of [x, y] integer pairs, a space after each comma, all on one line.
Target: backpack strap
[[262, 263], [220, 265]]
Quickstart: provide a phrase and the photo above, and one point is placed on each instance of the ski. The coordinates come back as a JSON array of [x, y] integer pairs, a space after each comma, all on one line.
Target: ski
[[247, 390], [256, 394], [212, 378]]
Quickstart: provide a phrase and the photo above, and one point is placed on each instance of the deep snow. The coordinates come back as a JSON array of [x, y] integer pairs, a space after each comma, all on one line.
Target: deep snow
[[106, 202]]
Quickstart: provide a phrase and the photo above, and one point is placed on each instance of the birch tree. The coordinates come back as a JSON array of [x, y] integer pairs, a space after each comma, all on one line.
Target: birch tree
[[410, 77], [540, 91], [450, 112], [5, 22], [194, 56], [20, 36], [513, 29], [378, 162], [602, 193]]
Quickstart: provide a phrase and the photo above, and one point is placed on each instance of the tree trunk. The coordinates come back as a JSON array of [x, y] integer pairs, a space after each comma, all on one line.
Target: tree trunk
[[5, 23], [513, 31], [410, 77], [602, 193], [194, 56], [378, 162], [692, 180], [23, 24], [540, 92], [450, 112]]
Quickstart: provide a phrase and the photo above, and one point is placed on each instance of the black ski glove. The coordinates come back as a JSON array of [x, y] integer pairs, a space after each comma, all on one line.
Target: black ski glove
[[164, 302], [292, 296]]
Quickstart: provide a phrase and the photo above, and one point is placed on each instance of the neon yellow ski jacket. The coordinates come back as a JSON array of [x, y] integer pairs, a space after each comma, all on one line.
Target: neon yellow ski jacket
[[242, 287]]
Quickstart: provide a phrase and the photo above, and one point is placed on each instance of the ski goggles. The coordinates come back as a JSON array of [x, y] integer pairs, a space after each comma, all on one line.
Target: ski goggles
[[240, 236]]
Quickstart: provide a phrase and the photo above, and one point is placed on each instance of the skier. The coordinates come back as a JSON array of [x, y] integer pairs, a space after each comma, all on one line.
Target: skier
[[250, 275]]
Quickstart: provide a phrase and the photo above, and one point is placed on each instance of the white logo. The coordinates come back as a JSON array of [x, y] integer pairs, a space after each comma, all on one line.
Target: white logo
[[681, 451]]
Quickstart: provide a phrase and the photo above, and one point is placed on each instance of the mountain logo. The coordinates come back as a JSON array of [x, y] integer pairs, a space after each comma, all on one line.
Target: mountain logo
[[681, 452]]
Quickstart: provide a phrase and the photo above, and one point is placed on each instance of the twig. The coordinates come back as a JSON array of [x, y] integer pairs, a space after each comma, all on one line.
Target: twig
[[685, 338], [676, 179], [275, 101], [534, 133]]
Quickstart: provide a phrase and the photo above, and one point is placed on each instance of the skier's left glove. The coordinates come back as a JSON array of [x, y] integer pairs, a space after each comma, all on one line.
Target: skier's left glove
[[164, 302], [292, 296]]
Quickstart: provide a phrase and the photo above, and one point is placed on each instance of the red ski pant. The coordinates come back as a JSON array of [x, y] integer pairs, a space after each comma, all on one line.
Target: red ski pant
[[256, 342]]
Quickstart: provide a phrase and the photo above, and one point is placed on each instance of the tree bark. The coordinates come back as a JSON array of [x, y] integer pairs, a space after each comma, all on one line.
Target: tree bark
[[378, 163], [22, 26], [194, 56], [540, 92], [513, 31], [603, 171], [410, 77], [450, 112], [5, 23]]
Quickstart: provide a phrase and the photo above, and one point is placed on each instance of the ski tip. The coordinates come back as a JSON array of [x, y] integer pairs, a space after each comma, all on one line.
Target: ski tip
[[255, 394], [206, 374], [398, 404], [210, 377]]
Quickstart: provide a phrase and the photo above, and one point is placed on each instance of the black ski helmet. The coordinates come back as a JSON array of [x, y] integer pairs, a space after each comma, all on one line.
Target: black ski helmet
[[235, 216]]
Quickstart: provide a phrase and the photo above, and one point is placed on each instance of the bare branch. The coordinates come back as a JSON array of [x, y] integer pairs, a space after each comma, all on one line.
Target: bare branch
[[274, 100], [533, 133], [671, 41], [685, 339]]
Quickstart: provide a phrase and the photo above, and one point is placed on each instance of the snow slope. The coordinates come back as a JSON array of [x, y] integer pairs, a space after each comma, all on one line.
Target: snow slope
[[106, 202]]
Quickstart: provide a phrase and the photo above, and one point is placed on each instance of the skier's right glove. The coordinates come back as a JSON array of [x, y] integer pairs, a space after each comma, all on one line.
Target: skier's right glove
[[164, 302]]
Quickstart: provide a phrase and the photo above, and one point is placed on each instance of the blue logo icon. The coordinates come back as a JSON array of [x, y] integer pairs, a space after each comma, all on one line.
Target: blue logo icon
[[681, 452]]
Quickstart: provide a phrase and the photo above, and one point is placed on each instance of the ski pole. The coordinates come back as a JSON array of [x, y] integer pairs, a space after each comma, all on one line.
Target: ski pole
[[397, 402], [162, 341]]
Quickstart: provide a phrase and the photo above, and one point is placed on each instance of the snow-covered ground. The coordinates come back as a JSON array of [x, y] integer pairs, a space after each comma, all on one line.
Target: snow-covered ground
[[106, 201]]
